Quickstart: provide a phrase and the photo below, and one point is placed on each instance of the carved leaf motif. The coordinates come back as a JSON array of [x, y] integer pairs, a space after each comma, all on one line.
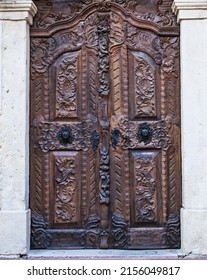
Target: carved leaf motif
[[90, 31], [103, 56], [147, 42], [117, 30], [170, 53], [129, 140], [65, 210], [162, 17], [45, 135], [104, 175], [145, 88], [145, 190], [41, 49], [66, 92]]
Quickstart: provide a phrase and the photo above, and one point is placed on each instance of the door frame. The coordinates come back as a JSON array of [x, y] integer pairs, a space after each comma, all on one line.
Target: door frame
[[194, 208]]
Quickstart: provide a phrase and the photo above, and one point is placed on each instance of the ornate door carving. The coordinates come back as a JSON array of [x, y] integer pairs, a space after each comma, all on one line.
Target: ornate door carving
[[105, 125]]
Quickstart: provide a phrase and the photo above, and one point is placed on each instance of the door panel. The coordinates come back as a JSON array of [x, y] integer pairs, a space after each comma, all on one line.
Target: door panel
[[105, 125]]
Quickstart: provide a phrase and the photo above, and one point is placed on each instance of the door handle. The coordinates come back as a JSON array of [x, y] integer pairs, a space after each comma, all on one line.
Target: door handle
[[65, 135], [144, 133]]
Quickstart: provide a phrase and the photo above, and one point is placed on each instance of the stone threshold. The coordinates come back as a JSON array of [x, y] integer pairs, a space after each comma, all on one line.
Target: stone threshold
[[104, 254]]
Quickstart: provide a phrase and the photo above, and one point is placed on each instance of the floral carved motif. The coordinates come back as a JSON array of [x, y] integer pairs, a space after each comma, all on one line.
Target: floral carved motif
[[104, 175], [66, 87], [45, 50], [65, 207], [145, 88], [46, 135], [51, 12], [145, 41], [145, 189], [103, 55], [161, 131], [155, 14]]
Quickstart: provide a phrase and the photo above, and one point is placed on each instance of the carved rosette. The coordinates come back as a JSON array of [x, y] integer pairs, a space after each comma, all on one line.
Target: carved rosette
[[40, 238], [65, 208], [145, 190]]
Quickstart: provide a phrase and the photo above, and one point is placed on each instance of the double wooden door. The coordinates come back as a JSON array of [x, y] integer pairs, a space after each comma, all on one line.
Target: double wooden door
[[104, 133]]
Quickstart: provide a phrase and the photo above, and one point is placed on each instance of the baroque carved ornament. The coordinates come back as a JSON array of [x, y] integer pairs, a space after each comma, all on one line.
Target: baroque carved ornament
[[50, 13]]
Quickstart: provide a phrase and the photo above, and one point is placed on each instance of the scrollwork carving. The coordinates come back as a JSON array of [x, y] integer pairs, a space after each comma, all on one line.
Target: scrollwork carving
[[128, 132], [40, 238], [172, 237], [45, 135], [162, 17], [91, 236], [66, 87], [103, 55], [104, 175], [145, 88], [65, 207], [120, 232], [145, 41], [145, 190]]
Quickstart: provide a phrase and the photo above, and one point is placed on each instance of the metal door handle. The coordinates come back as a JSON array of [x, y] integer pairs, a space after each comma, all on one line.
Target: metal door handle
[[65, 135], [145, 133]]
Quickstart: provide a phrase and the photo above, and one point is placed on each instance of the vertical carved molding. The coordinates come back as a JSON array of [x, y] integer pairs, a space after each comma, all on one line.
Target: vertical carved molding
[[104, 176], [103, 31], [104, 83]]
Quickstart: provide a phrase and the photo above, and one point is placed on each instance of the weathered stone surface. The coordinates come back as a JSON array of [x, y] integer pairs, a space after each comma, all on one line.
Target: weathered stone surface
[[14, 119]]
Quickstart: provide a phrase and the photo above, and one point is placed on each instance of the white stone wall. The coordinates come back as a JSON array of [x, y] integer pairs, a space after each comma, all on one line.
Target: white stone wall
[[15, 18], [192, 16]]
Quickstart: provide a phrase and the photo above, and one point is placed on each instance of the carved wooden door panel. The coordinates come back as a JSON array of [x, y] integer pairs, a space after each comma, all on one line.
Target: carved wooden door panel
[[105, 136]]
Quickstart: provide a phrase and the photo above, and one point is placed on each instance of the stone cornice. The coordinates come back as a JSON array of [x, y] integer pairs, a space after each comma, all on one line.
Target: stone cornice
[[17, 10], [190, 9]]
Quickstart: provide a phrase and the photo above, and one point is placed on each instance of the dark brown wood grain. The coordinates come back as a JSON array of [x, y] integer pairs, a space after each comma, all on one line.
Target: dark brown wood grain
[[105, 125]]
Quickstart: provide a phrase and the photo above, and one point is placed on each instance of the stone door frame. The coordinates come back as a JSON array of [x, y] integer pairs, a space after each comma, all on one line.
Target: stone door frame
[[15, 20]]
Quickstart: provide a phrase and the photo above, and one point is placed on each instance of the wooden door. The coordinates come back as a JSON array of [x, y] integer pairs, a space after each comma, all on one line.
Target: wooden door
[[105, 125]]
